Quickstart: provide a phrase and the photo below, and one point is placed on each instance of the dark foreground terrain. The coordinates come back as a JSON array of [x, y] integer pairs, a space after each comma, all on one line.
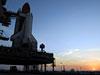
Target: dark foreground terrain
[[52, 73]]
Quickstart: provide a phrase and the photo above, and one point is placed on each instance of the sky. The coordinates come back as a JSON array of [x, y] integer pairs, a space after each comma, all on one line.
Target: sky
[[69, 28]]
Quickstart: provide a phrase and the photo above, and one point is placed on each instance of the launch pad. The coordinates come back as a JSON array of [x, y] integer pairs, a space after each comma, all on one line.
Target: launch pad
[[15, 56]]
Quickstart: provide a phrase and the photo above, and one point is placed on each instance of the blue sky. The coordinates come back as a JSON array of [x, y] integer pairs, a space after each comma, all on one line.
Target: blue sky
[[63, 25]]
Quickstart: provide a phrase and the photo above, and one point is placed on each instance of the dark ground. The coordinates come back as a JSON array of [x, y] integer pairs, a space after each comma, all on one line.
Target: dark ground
[[52, 73]]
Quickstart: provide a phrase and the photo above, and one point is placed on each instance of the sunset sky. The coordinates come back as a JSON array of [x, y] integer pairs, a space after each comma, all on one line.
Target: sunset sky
[[69, 28]]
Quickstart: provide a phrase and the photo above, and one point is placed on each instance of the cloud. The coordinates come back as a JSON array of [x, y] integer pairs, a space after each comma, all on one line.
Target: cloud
[[70, 52], [79, 55]]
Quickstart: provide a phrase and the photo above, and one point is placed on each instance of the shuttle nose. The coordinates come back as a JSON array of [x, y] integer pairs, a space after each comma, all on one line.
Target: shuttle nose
[[26, 8]]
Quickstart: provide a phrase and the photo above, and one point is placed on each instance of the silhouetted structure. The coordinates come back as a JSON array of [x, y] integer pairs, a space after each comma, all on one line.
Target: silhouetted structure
[[24, 47]]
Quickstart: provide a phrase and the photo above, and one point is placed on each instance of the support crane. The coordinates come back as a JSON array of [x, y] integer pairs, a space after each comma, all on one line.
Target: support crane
[[5, 18], [2, 37], [5, 15]]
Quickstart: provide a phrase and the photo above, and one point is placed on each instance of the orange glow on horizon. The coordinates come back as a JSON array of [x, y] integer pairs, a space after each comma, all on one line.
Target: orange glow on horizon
[[80, 61], [87, 66], [94, 66], [94, 69]]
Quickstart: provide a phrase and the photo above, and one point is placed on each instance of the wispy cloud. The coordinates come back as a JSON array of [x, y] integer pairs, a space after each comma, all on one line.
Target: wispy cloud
[[70, 52]]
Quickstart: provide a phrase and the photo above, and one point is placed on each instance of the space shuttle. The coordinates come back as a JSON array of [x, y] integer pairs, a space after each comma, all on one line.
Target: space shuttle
[[22, 36]]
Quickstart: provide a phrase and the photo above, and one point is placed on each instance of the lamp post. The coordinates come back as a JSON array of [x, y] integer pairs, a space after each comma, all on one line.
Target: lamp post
[[42, 46], [61, 66]]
